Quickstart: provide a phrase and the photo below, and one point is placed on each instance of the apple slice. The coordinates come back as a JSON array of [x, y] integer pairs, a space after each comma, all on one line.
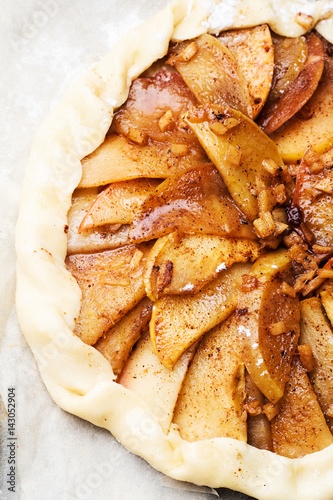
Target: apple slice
[[111, 283], [193, 202], [153, 109], [326, 296], [237, 147], [254, 54], [178, 322], [298, 92], [314, 203], [117, 203], [211, 401], [117, 159], [313, 124], [259, 432], [268, 324], [177, 266], [104, 237], [151, 381], [317, 332], [300, 427], [117, 343], [210, 70], [290, 55]]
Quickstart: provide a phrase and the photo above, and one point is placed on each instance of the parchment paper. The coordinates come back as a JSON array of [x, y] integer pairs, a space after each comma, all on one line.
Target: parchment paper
[[45, 45]]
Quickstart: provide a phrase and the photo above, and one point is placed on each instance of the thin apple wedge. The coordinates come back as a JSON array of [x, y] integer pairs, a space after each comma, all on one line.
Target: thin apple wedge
[[111, 283], [238, 148], [297, 94], [317, 333], [194, 202], [153, 109], [300, 427], [211, 401], [104, 237], [290, 55], [118, 159], [254, 53], [268, 323], [116, 345], [156, 385], [210, 70], [177, 266], [326, 297], [259, 432], [117, 203], [178, 322], [313, 197], [313, 124]]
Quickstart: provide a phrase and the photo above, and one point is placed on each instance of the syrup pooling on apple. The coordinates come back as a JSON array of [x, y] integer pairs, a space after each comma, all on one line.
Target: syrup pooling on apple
[[153, 112], [205, 261]]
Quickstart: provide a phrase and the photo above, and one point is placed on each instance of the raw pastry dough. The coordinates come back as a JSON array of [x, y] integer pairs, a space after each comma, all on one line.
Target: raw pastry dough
[[77, 376]]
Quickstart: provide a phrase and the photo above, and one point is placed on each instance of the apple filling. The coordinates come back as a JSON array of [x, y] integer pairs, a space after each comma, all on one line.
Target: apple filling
[[201, 236]]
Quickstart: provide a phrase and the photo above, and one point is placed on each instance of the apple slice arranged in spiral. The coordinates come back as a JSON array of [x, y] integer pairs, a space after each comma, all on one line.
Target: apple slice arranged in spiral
[[117, 203], [210, 70], [238, 148], [211, 400], [300, 427], [156, 385], [297, 94], [254, 54], [178, 322], [313, 124], [118, 159], [178, 266], [111, 283], [326, 296], [317, 333], [117, 343], [268, 324], [103, 237], [313, 197], [194, 202]]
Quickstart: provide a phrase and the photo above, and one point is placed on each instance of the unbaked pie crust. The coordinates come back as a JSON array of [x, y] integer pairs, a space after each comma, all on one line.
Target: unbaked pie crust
[[78, 377]]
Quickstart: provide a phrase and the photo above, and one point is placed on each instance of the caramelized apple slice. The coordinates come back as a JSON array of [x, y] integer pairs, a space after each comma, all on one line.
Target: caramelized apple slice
[[152, 382], [153, 111], [117, 343], [104, 237], [117, 203], [326, 296], [210, 70], [111, 283], [298, 92], [237, 147], [268, 324], [313, 124], [313, 201], [193, 202], [317, 333], [254, 54], [211, 400], [177, 266], [178, 322], [117, 159], [290, 55], [300, 427], [259, 432]]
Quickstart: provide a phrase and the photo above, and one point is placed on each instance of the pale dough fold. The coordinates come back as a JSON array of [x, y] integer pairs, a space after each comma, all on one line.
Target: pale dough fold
[[78, 377]]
